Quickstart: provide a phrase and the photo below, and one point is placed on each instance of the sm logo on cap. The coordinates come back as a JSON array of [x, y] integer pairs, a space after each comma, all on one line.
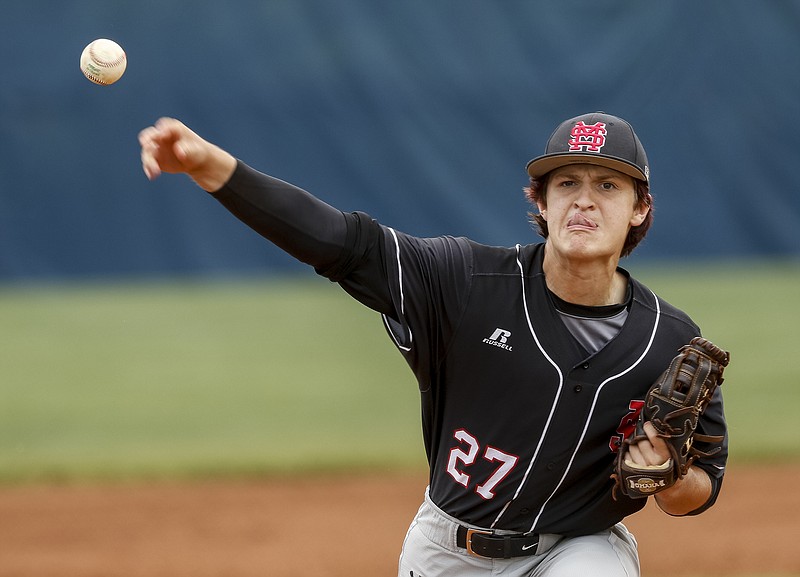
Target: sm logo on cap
[[587, 137]]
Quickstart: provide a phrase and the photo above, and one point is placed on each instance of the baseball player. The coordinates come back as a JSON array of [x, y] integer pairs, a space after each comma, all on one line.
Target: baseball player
[[532, 361]]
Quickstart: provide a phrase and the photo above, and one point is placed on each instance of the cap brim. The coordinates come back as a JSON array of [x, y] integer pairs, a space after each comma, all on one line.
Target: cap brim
[[540, 166]]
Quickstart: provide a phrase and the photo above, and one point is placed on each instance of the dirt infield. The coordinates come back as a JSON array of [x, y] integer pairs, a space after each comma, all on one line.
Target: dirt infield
[[341, 527]]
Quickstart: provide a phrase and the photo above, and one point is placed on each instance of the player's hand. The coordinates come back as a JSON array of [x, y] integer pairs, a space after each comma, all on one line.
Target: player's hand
[[688, 493], [652, 451], [170, 146]]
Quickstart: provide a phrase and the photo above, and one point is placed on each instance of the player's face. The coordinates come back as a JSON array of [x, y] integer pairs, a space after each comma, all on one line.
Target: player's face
[[589, 211]]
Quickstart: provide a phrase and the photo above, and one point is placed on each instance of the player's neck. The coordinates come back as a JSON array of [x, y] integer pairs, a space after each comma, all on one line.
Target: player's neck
[[585, 283]]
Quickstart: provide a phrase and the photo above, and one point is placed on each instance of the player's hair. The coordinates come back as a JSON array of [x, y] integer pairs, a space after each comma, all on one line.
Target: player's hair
[[536, 192]]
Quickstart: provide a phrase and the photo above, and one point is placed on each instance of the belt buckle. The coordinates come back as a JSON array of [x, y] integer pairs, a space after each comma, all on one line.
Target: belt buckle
[[470, 533]]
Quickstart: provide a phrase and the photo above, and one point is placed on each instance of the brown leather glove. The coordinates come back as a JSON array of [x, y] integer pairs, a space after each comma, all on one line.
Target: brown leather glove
[[673, 405]]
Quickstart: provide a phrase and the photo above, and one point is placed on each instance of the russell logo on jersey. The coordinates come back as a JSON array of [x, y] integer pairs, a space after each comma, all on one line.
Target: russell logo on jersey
[[499, 339]]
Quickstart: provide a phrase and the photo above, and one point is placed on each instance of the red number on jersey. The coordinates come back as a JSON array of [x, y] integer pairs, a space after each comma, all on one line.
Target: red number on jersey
[[626, 425]]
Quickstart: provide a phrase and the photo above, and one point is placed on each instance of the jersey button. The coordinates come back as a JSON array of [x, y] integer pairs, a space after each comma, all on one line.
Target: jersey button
[[585, 366], [578, 388]]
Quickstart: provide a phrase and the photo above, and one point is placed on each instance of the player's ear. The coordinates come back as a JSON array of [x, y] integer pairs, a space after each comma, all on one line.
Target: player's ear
[[642, 208], [639, 214]]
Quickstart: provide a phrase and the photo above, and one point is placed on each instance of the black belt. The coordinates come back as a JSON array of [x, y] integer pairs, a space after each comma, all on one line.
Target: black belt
[[493, 546]]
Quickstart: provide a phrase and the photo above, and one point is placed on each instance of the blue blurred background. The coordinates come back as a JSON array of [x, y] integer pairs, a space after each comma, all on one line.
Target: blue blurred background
[[421, 113]]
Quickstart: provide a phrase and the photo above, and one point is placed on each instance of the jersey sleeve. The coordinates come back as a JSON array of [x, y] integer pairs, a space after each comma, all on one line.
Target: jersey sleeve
[[419, 285], [429, 282], [712, 422], [299, 223]]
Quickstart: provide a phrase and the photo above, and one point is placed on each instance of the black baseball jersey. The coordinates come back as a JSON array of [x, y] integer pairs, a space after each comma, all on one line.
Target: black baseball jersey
[[521, 423]]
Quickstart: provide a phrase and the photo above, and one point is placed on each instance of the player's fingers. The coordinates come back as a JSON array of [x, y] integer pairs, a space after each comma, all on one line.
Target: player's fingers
[[162, 130], [652, 436], [150, 167], [149, 147], [635, 455], [642, 454], [648, 455], [657, 449], [167, 125], [168, 146], [173, 130], [647, 452], [151, 140]]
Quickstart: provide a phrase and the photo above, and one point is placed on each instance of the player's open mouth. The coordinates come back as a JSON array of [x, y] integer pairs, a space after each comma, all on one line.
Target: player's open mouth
[[577, 220]]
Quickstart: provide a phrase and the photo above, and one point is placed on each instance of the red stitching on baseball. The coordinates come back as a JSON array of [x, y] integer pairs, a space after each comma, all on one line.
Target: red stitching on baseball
[[93, 78], [105, 63]]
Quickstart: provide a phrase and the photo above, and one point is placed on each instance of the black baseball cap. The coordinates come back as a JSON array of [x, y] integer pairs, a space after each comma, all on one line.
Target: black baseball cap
[[595, 138]]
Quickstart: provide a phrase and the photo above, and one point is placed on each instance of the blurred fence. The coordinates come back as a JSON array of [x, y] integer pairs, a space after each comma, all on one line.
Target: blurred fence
[[420, 113]]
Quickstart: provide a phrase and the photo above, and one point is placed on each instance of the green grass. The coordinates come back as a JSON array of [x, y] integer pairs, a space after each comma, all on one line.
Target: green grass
[[199, 378], [188, 379]]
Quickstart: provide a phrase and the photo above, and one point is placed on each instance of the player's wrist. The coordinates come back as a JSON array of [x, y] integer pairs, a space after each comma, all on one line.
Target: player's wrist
[[687, 494], [216, 171]]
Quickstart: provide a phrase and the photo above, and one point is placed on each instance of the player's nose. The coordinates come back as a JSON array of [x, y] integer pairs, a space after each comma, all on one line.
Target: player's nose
[[585, 196]]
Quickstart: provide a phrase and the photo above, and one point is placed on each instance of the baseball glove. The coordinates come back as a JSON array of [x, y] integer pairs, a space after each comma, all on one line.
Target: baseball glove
[[673, 405]]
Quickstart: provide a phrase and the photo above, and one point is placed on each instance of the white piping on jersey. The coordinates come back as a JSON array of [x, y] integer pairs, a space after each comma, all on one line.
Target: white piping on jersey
[[594, 404], [396, 340], [552, 408], [558, 394]]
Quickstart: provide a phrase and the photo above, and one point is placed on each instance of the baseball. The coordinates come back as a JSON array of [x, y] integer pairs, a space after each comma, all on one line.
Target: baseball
[[103, 61]]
